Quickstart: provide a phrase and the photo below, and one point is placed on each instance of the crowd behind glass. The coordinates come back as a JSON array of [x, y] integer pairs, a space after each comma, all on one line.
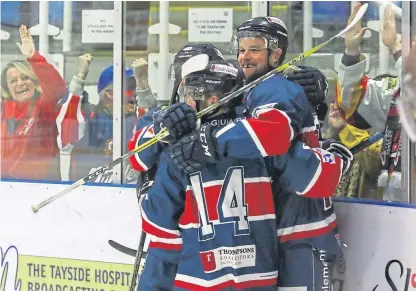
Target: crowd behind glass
[[67, 144]]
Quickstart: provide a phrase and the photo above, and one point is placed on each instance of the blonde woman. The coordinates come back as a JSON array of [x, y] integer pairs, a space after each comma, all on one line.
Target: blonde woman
[[30, 91]]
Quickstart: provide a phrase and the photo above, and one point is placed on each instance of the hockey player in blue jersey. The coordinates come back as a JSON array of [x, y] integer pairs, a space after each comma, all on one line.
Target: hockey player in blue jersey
[[307, 227], [144, 162], [215, 228], [277, 106]]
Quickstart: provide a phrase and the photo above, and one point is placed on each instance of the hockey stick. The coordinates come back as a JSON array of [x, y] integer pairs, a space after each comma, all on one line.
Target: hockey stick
[[136, 276], [366, 143], [123, 249], [164, 133]]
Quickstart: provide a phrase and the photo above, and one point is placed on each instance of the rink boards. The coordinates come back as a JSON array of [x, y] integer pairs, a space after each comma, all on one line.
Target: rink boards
[[65, 245]]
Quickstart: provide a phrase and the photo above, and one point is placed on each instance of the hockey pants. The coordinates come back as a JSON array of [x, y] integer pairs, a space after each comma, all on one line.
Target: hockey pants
[[304, 268]]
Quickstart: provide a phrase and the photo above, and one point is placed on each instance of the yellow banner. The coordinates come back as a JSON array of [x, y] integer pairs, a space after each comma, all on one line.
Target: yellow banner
[[56, 274]]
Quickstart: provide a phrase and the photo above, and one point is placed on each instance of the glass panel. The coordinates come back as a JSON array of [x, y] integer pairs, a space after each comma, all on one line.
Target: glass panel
[[192, 23], [29, 131], [367, 84]]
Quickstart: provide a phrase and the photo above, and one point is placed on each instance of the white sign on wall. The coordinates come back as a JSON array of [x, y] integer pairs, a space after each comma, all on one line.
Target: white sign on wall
[[380, 253], [210, 24], [97, 26]]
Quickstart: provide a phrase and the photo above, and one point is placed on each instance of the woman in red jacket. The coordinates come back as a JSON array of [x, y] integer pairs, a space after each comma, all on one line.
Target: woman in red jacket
[[30, 91]]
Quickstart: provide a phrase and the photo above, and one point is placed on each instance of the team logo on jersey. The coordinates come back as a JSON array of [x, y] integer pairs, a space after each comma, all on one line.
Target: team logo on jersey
[[327, 157], [262, 109]]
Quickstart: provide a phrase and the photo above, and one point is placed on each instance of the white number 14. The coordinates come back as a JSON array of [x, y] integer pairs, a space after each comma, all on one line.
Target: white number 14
[[231, 205]]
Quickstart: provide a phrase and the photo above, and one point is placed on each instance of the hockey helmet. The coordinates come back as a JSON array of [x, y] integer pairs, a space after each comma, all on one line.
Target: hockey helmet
[[188, 51], [271, 29], [219, 78]]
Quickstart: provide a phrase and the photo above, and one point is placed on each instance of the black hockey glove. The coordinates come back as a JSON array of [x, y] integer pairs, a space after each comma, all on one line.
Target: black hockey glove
[[195, 150], [337, 148], [313, 82], [321, 111], [179, 119]]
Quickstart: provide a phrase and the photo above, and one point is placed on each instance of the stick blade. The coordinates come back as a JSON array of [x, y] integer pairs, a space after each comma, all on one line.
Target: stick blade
[[357, 18]]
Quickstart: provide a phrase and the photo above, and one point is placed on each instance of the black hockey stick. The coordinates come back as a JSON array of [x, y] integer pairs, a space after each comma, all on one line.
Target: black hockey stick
[[368, 142], [136, 276], [123, 249]]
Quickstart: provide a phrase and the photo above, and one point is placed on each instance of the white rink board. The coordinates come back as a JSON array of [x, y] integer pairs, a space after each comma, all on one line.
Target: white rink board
[[376, 235], [76, 226], [79, 225]]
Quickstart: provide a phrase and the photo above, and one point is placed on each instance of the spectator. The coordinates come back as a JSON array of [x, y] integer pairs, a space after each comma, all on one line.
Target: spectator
[[30, 91], [361, 180], [90, 128], [369, 104]]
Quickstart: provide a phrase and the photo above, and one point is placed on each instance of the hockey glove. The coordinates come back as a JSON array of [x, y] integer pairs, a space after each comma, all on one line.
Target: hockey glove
[[179, 119], [313, 82], [321, 112], [193, 151], [337, 148]]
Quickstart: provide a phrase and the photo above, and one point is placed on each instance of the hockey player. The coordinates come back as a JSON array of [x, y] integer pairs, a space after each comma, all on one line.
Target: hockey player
[[145, 161], [307, 227], [270, 102], [212, 237]]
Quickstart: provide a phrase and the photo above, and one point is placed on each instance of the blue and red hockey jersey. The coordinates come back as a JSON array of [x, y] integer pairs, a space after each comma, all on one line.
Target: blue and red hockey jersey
[[276, 111], [300, 218], [276, 104], [195, 221]]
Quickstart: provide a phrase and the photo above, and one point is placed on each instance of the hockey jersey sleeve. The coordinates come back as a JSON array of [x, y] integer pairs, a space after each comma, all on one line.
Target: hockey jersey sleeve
[[277, 109], [309, 172], [357, 93], [144, 160], [161, 210]]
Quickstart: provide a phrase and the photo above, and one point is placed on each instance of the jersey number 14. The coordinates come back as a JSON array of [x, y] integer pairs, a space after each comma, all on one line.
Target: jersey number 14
[[231, 205]]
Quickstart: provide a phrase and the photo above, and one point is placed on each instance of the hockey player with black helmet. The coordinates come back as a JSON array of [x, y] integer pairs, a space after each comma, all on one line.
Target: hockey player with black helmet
[[212, 225], [144, 162], [277, 112], [308, 240], [270, 33]]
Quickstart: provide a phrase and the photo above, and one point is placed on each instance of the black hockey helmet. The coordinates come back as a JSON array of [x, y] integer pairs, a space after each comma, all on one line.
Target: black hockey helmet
[[188, 51], [272, 29], [219, 78]]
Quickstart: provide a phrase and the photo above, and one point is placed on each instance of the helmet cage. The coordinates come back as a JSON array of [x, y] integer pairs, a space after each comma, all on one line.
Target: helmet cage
[[271, 42]]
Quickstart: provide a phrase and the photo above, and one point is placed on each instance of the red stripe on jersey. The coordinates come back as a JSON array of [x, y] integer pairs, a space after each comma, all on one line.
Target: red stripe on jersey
[[131, 145], [258, 198], [155, 231], [165, 246], [310, 139], [266, 130], [324, 185], [308, 233], [227, 284]]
